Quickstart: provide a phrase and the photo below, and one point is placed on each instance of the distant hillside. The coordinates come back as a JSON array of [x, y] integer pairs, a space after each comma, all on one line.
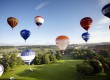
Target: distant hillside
[[89, 45]]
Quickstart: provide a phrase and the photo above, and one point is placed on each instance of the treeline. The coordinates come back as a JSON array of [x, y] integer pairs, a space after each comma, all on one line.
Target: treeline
[[10, 61], [96, 65], [47, 57], [6, 47], [94, 62], [86, 53]]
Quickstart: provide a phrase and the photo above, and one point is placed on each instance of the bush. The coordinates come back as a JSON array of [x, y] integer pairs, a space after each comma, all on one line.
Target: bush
[[84, 69], [97, 66], [107, 67]]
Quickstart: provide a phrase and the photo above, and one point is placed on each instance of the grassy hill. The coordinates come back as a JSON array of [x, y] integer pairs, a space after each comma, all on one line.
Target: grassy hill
[[61, 70]]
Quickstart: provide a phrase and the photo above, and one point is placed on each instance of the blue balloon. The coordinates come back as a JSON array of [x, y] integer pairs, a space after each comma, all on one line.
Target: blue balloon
[[86, 36], [25, 34], [1, 69], [27, 56], [106, 10]]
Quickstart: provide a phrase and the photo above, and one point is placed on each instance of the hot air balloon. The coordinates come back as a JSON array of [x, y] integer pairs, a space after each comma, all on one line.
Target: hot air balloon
[[12, 78], [62, 42], [27, 56], [106, 10], [85, 36], [86, 23], [12, 21], [1, 69], [25, 34], [39, 20], [109, 27]]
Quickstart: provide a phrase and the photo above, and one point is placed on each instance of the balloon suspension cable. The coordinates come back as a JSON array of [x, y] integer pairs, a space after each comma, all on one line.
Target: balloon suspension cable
[[38, 27], [62, 51], [30, 66], [86, 45]]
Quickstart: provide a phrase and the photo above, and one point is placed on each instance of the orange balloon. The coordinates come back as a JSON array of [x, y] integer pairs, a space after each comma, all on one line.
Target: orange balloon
[[86, 23], [62, 42], [12, 21], [62, 37]]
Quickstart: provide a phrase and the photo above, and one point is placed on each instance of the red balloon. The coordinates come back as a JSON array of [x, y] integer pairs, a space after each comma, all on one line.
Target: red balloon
[[109, 27], [12, 21], [86, 23]]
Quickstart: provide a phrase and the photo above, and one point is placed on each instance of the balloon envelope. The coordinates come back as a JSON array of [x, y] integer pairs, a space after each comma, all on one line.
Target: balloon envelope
[[12, 21], [86, 23], [39, 20], [1, 69], [109, 27], [85, 36], [62, 42], [25, 34], [106, 10], [27, 56]]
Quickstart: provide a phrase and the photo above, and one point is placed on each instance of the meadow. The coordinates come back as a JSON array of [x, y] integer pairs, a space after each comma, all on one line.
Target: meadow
[[61, 70]]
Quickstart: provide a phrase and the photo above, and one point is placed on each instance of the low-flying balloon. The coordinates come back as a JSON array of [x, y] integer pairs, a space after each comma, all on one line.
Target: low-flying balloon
[[12, 21], [25, 34], [86, 23], [12, 78], [27, 56], [106, 10], [39, 20], [1, 69], [85, 36], [62, 42]]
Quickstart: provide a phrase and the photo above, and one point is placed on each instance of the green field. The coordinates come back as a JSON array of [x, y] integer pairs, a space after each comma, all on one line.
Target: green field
[[61, 70]]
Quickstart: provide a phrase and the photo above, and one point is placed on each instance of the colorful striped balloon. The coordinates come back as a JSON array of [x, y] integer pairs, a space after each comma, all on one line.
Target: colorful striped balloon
[[39, 20]]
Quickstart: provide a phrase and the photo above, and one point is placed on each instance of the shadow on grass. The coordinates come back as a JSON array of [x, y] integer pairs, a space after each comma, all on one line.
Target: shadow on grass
[[63, 70]]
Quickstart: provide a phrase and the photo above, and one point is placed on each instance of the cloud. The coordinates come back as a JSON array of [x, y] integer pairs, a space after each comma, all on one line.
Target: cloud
[[104, 20], [41, 5], [103, 2]]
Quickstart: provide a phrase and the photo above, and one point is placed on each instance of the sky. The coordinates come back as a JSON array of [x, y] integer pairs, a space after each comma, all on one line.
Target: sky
[[61, 17]]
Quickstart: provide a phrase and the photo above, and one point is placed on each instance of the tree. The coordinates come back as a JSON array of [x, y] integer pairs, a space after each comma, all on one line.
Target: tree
[[97, 66], [19, 61], [38, 59], [46, 57], [104, 53], [52, 58], [84, 69], [58, 55], [13, 60], [5, 62]]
